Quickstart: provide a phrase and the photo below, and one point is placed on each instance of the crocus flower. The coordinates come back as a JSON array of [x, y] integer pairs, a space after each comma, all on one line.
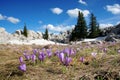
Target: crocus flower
[[105, 50], [81, 59], [67, 61], [93, 54], [33, 57], [49, 52], [35, 51], [41, 56], [61, 57], [69, 51], [56, 53], [21, 59], [119, 51], [66, 51], [22, 67], [27, 57], [72, 51]]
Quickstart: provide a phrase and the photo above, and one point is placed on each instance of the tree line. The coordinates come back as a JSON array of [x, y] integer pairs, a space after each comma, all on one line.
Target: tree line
[[81, 31]]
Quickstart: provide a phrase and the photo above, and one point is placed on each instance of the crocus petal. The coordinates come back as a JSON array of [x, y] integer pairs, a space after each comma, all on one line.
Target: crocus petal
[[21, 59], [82, 59], [35, 51], [61, 57], [72, 51], [27, 57], [67, 61], [66, 51], [118, 51], [93, 54], [33, 57], [49, 52]]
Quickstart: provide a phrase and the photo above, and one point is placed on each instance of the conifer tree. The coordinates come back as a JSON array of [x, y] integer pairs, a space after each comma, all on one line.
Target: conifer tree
[[80, 30], [45, 36], [25, 31], [94, 27]]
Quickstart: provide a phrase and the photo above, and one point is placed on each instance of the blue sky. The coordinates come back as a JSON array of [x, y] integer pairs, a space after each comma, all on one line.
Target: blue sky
[[56, 15]]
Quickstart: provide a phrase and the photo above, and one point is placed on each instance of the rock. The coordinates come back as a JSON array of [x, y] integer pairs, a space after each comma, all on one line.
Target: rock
[[4, 35], [31, 35], [63, 37], [2, 30], [114, 35], [19, 32]]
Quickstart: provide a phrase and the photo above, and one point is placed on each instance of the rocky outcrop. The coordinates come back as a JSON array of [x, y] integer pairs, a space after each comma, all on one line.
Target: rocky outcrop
[[63, 37], [18, 35], [114, 35], [4, 35], [31, 35]]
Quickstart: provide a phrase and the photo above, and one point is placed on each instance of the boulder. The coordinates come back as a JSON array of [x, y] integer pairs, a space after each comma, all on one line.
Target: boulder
[[114, 35], [4, 35], [19, 32]]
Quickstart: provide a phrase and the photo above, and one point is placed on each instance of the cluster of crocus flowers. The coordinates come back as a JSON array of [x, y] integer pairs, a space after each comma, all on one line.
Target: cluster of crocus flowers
[[41, 56], [65, 56], [65, 59]]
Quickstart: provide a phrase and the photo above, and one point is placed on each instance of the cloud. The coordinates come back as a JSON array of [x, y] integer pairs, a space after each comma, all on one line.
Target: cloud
[[58, 28], [57, 10], [2, 17], [13, 20], [74, 12], [114, 9], [82, 2], [10, 19], [102, 26]]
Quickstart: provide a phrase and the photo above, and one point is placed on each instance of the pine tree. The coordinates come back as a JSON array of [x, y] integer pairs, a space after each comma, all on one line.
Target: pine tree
[[94, 27], [80, 30], [45, 36], [25, 31]]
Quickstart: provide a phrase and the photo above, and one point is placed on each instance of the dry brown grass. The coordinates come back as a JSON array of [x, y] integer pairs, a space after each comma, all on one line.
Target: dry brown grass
[[51, 69]]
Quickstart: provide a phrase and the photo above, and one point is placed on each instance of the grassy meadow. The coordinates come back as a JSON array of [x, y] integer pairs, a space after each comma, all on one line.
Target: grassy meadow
[[103, 65]]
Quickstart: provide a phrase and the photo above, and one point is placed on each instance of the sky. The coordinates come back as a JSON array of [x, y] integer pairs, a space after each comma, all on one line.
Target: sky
[[56, 15]]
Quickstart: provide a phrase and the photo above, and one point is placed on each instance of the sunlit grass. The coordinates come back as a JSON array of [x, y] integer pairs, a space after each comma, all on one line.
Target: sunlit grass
[[52, 69]]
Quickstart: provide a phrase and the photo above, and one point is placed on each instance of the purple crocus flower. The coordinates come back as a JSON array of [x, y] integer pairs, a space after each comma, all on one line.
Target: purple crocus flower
[[93, 54], [33, 57], [56, 53], [119, 51], [49, 52], [22, 67], [81, 59], [72, 51], [35, 51], [61, 57], [105, 50], [27, 57], [21, 59], [41, 56], [67, 61], [67, 51]]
